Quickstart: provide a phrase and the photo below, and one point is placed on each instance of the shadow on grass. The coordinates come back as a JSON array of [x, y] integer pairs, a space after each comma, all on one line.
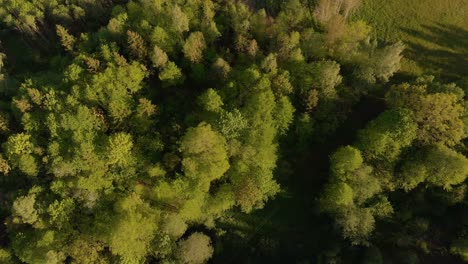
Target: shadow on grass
[[448, 55]]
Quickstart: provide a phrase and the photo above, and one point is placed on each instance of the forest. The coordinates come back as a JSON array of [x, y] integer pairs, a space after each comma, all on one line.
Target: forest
[[233, 131]]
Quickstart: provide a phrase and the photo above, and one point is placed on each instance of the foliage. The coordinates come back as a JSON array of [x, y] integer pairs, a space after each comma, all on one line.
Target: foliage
[[195, 249], [438, 114], [188, 131], [204, 154], [459, 247]]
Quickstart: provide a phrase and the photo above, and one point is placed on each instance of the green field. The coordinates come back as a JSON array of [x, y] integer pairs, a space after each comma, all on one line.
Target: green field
[[435, 32]]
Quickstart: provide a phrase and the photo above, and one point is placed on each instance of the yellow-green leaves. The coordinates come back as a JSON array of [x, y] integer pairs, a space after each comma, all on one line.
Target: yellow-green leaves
[[438, 165], [5, 256], [231, 123], [158, 57], [196, 249], [120, 149], [19, 144], [283, 114], [211, 101], [204, 154], [386, 136], [460, 247], [24, 210], [345, 160], [349, 195], [438, 115], [180, 21], [18, 151], [357, 224], [133, 228], [170, 73], [60, 212], [136, 45], [67, 40], [336, 195], [114, 88], [194, 46]]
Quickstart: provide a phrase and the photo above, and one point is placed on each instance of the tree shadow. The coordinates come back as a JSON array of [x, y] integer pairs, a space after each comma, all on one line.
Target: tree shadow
[[447, 55]]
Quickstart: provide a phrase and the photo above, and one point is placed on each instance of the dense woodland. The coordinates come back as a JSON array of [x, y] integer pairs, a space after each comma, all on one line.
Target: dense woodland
[[194, 131]]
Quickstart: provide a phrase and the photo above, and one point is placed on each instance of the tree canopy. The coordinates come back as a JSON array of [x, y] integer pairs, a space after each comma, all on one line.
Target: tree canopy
[[150, 131]]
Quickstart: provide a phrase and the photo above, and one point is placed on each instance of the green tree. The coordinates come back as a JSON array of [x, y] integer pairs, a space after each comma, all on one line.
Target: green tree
[[19, 144], [24, 210], [196, 249], [180, 21], [120, 149], [283, 114], [438, 115], [170, 73], [23, 15], [356, 224], [194, 46], [221, 68], [381, 64], [5, 256], [460, 247], [67, 40], [136, 45], [158, 57], [345, 160], [231, 124], [18, 150], [211, 101], [428, 167], [336, 196], [386, 136], [133, 229], [61, 212], [116, 96], [204, 155]]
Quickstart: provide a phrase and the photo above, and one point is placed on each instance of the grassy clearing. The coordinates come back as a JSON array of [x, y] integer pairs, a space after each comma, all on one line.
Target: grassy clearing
[[435, 32]]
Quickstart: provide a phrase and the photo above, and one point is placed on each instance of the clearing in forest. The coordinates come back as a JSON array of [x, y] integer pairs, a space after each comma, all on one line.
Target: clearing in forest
[[434, 31]]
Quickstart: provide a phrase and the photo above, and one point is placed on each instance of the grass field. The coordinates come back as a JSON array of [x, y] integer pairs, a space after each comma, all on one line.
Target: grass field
[[435, 32]]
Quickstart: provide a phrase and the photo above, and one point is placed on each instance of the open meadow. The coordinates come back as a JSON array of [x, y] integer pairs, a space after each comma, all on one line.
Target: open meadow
[[435, 32]]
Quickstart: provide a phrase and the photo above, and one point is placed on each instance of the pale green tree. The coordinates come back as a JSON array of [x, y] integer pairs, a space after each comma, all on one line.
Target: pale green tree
[[194, 46], [204, 154], [196, 249]]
